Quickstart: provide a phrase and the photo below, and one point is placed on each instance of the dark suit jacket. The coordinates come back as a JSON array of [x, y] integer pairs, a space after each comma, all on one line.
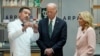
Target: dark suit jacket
[[58, 38]]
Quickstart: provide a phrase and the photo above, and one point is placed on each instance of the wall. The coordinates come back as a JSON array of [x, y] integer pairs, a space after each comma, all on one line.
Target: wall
[[58, 2], [71, 8], [14, 11], [0, 11]]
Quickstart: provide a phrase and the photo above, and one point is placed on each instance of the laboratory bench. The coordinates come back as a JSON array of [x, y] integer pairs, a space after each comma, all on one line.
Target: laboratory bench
[[5, 50], [97, 51]]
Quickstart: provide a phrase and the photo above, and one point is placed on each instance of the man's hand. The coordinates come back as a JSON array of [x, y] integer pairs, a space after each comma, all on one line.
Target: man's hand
[[35, 27], [26, 25], [48, 51]]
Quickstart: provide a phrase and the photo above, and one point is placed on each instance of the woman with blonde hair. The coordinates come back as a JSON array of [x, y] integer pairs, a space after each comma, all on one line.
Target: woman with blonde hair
[[86, 37]]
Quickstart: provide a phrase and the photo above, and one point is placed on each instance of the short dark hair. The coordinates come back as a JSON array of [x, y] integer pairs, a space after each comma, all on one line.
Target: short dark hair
[[22, 8]]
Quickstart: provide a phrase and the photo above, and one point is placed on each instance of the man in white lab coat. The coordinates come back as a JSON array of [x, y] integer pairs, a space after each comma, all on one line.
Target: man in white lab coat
[[21, 33]]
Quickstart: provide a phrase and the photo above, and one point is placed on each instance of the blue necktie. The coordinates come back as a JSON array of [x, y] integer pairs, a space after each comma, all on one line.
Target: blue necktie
[[50, 29]]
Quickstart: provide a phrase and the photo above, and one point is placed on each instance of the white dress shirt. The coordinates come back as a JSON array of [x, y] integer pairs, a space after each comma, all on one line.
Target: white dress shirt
[[53, 22], [20, 42]]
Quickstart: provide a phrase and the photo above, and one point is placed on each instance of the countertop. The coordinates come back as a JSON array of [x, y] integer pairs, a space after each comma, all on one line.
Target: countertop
[[5, 47], [97, 51]]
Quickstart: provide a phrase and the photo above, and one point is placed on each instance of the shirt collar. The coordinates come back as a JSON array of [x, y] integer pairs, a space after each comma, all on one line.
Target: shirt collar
[[53, 20]]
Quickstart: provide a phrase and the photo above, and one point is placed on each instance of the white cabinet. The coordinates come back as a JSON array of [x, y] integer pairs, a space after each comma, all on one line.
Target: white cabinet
[[95, 9]]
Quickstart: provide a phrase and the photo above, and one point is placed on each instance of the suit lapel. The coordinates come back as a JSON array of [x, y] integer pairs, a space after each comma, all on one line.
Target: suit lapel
[[46, 27], [55, 27]]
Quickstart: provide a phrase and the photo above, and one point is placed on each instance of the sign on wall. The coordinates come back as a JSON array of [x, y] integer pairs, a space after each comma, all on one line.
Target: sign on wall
[[43, 13]]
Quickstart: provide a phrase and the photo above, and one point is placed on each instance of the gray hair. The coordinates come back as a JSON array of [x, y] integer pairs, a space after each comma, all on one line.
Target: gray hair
[[52, 5]]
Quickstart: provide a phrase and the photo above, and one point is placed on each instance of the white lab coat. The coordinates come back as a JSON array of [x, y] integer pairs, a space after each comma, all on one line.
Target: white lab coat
[[20, 42]]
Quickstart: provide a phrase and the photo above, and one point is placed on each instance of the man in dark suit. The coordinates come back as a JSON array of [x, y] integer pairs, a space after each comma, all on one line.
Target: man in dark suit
[[53, 33]]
